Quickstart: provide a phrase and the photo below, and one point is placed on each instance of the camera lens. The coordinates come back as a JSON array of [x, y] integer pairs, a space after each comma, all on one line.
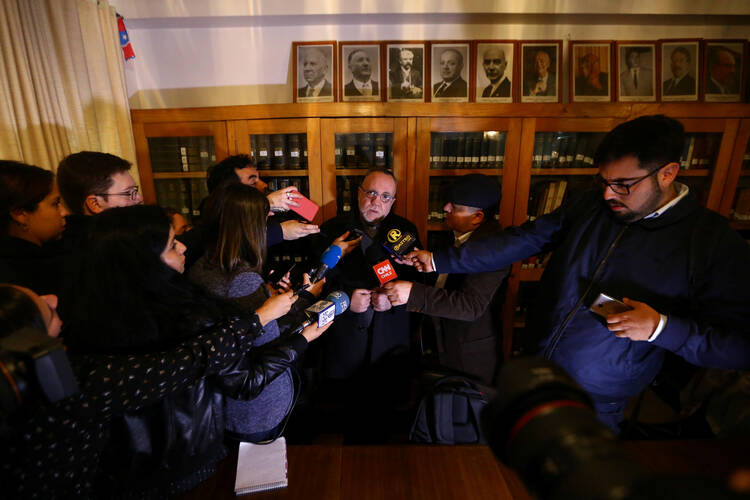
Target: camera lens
[[543, 425]]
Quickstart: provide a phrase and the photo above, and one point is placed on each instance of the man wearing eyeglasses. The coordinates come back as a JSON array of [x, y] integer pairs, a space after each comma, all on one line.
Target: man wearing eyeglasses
[[643, 238], [91, 182], [368, 345]]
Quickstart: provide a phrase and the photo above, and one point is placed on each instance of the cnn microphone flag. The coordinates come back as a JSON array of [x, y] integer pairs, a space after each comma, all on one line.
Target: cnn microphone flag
[[127, 49]]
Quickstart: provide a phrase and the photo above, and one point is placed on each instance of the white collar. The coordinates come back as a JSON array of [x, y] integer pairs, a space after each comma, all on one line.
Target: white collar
[[682, 191], [360, 85], [318, 86], [461, 238]]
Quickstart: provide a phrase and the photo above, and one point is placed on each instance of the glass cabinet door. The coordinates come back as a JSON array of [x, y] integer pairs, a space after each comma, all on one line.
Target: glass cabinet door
[[350, 148], [173, 170], [448, 148], [282, 153], [735, 202], [705, 158]]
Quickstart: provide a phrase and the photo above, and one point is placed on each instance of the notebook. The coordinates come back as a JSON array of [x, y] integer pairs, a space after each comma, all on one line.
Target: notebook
[[261, 467]]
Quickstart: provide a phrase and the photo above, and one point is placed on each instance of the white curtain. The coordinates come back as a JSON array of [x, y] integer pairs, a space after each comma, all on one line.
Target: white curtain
[[62, 81]]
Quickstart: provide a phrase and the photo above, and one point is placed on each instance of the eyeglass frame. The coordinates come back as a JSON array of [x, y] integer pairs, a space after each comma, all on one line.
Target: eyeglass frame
[[374, 194], [132, 193], [606, 184]]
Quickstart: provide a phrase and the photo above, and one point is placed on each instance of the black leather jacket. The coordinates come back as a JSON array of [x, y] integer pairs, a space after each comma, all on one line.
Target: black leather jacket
[[173, 445]]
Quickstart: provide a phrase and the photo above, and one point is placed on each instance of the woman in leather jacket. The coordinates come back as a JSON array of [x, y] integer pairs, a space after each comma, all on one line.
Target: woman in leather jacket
[[52, 449], [130, 297]]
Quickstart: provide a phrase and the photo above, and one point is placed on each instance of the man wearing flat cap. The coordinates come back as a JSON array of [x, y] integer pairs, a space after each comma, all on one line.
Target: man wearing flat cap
[[464, 308]]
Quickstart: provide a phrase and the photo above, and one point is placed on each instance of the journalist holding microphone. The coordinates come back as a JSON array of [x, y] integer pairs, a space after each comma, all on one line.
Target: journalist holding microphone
[[127, 295], [464, 307], [641, 237]]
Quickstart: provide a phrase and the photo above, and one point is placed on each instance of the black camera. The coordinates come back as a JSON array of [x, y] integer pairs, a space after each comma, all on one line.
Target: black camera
[[543, 425], [33, 364]]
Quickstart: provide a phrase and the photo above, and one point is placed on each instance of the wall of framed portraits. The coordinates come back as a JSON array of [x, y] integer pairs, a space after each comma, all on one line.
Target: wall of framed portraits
[[231, 56], [526, 71]]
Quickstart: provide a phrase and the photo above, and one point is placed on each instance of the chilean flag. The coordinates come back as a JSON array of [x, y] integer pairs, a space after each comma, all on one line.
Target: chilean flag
[[127, 49]]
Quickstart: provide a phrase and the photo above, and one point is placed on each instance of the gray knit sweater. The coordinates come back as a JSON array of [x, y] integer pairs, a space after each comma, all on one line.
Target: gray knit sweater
[[245, 287]]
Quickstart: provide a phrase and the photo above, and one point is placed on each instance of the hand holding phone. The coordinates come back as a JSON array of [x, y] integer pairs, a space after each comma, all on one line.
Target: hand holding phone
[[604, 306]]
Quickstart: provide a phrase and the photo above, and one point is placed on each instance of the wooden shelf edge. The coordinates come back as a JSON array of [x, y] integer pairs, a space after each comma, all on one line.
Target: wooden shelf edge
[[563, 171], [283, 173], [622, 111], [452, 172], [180, 175], [351, 171]]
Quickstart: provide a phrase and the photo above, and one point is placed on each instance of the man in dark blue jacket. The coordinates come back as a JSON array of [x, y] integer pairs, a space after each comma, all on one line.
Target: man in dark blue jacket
[[641, 237]]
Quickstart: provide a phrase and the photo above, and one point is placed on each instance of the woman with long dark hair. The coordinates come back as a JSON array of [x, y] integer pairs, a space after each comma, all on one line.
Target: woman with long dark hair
[[129, 297], [231, 269], [31, 214]]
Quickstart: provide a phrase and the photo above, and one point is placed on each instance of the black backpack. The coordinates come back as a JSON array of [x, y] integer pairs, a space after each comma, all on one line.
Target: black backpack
[[449, 413]]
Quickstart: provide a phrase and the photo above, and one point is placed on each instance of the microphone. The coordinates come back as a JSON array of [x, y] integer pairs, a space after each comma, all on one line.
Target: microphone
[[328, 260], [323, 311], [399, 242]]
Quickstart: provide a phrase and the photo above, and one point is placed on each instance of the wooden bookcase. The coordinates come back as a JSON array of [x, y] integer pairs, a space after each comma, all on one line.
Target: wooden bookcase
[[720, 172]]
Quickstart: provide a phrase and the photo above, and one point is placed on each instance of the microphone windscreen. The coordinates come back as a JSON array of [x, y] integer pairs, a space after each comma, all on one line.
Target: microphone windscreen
[[340, 301], [331, 256]]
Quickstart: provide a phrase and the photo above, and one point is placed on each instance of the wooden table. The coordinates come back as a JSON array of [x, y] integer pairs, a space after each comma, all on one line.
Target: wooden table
[[395, 472], [388, 472]]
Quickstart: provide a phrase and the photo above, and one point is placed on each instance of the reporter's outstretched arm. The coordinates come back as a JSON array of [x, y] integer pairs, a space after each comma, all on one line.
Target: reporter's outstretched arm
[[275, 307], [294, 229]]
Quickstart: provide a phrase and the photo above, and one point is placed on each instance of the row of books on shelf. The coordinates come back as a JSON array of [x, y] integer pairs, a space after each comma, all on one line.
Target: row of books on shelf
[[699, 151], [346, 193], [184, 195], [467, 150], [576, 150], [435, 197], [279, 151], [181, 154], [301, 183], [565, 149], [546, 197], [363, 150]]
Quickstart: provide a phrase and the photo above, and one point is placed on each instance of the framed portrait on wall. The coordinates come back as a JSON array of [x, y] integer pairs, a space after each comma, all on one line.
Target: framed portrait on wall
[[541, 78], [315, 71], [405, 63], [360, 72], [591, 71], [449, 71], [636, 67], [680, 69], [494, 70], [724, 70]]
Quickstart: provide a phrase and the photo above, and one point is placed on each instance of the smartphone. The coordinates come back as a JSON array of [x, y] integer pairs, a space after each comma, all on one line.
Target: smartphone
[[604, 305]]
